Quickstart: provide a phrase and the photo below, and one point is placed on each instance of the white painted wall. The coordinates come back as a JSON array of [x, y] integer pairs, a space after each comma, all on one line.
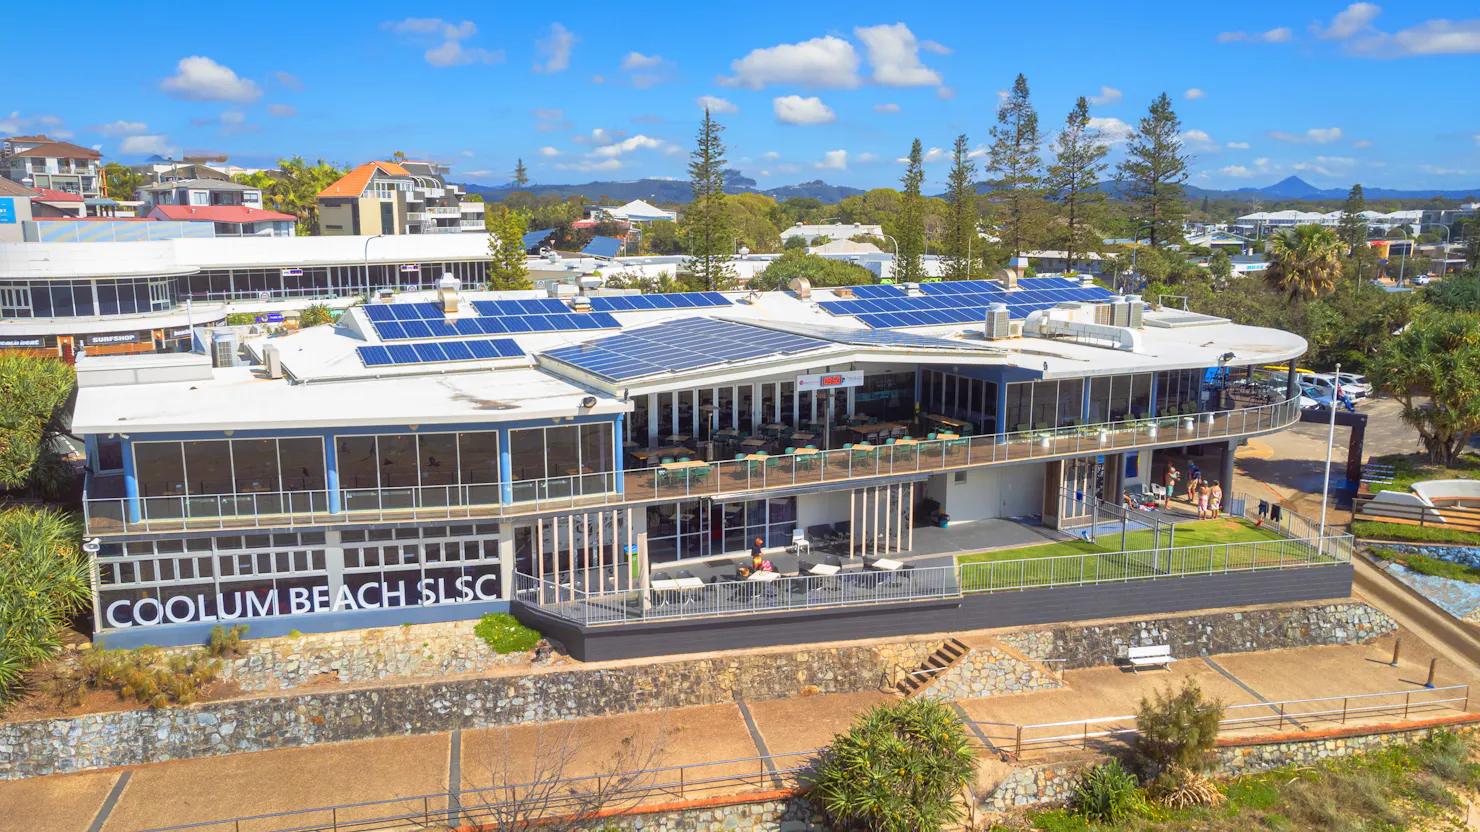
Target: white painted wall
[[988, 493], [828, 507]]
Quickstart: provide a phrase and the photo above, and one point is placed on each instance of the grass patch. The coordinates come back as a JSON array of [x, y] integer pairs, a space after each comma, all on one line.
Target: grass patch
[[1381, 530], [1411, 468], [505, 634], [1197, 533], [1425, 565], [1412, 787]]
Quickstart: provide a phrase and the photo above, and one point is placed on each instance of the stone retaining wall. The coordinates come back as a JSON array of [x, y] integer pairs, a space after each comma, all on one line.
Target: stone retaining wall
[[781, 813], [1203, 635], [989, 670]]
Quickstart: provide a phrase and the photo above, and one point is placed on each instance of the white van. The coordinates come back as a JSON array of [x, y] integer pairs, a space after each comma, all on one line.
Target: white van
[[1325, 383]]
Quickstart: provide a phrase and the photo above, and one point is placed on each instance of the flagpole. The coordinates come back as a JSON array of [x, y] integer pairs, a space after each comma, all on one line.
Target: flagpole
[[1330, 442]]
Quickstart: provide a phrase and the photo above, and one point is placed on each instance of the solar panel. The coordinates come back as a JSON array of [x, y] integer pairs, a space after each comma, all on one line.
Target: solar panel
[[439, 352], [880, 291], [537, 306], [603, 247], [679, 345], [675, 300], [564, 321], [533, 238]]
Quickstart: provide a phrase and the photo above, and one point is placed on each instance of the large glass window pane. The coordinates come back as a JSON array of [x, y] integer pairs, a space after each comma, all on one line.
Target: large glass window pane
[[82, 297], [1120, 398], [1141, 395], [1099, 399], [527, 453], [398, 460], [1045, 404], [358, 466], [596, 448], [562, 451], [256, 465], [302, 464], [439, 459], [478, 457], [108, 298], [208, 468], [159, 469], [1071, 401]]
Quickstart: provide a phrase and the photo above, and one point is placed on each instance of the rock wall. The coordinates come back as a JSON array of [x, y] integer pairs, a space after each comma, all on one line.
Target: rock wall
[[208, 729], [793, 813], [1276, 628], [989, 670]]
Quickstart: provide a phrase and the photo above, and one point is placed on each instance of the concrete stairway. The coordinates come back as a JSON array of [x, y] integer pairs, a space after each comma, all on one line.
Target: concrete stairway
[[947, 656]]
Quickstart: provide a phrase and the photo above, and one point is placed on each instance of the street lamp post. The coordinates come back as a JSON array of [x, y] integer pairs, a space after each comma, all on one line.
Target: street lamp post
[[1444, 252], [896, 253], [1402, 266], [366, 258], [1330, 441]]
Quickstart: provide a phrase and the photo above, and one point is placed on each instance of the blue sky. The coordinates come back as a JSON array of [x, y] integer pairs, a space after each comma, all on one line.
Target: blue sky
[[1332, 92]]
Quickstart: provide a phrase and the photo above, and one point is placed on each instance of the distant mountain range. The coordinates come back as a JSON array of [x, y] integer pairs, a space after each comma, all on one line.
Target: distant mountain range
[[676, 190]]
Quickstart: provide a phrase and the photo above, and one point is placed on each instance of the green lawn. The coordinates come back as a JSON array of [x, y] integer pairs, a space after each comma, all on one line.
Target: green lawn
[[1044, 565], [1411, 468], [1198, 533]]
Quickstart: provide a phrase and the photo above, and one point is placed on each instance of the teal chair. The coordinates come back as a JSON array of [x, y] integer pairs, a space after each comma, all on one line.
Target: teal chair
[[889, 441], [739, 456], [930, 436], [791, 450], [848, 446]]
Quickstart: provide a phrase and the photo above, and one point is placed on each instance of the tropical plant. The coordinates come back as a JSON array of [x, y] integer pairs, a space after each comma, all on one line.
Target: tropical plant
[[34, 391], [1107, 793], [1180, 788], [1305, 261], [314, 315], [1176, 729], [294, 188], [44, 580], [1432, 368], [226, 641], [505, 634], [899, 768]]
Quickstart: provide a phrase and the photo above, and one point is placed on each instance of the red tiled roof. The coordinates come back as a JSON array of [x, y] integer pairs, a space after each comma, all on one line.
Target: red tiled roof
[[354, 182], [60, 150], [219, 213], [49, 195]]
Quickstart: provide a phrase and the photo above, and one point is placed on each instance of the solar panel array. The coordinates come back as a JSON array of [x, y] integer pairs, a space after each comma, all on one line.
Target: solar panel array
[[649, 303], [964, 301], [509, 325], [539, 306], [481, 350], [382, 312], [685, 344]]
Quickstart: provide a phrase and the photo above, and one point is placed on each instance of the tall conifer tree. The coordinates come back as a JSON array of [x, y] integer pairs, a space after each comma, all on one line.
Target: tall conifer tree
[[910, 229], [1016, 167], [961, 219], [1352, 227], [709, 230], [1153, 175], [521, 174], [1074, 181]]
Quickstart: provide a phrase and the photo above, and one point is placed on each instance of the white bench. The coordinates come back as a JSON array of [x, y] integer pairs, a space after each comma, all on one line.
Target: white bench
[[1153, 655]]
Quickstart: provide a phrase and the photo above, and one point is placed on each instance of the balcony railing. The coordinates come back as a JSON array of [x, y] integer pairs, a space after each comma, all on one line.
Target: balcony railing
[[472, 225], [441, 229], [415, 216], [644, 485]]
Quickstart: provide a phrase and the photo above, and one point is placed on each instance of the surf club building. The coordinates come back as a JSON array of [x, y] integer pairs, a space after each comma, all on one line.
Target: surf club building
[[441, 454]]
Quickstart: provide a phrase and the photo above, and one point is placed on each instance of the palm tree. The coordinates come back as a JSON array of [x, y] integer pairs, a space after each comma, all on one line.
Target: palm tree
[[1305, 261]]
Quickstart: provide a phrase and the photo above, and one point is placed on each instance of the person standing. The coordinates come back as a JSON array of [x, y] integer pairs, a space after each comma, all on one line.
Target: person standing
[[1215, 500], [1203, 495], [1194, 481], [1171, 481]]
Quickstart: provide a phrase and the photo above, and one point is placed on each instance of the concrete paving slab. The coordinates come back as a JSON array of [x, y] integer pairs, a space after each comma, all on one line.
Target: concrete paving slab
[[214, 788], [808, 723], [65, 803], [684, 737]]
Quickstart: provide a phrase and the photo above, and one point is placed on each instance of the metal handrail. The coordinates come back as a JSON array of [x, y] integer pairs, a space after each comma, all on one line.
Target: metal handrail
[[452, 805], [1283, 714]]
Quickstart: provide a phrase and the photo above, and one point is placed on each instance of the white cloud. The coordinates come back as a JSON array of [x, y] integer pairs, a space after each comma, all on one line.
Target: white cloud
[[1194, 93], [147, 145], [1107, 96], [886, 108], [288, 80], [1199, 139], [1238, 145], [820, 62], [1262, 163], [1002, 94], [794, 109], [600, 135], [770, 155], [1113, 129], [866, 158], [1437, 171], [1237, 171], [1363, 143], [598, 79], [235, 121], [282, 110], [481, 174], [549, 152], [894, 55], [589, 165], [466, 154], [1326, 165], [120, 128], [935, 154], [15, 124], [945, 93], [1349, 21], [714, 104], [627, 145], [549, 119], [1315, 135], [637, 60], [1280, 35], [833, 160], [198, 78], [556, 48], [453, 53], [937, 48]]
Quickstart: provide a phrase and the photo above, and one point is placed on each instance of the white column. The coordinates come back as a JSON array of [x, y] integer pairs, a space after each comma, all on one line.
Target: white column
[[796, 406], [735, 407], [912, 518], [539, 550], [694, 406], [777, 399], [677, 425], [851, 402], [852, 520], [876, 522], [506, 560], [756, 413], [653, 420], [900, 525], [813, 397]]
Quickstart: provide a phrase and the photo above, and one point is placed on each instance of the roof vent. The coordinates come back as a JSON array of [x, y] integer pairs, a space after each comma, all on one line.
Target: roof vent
[[801, 287], [591, 282], [273, 355], [552, 256], [580, 303], [1086, 280], [447, 289]]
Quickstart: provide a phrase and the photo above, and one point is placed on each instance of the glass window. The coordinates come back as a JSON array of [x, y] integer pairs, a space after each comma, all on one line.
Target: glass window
[[527, 453], [439, 459], [1099, 400], [398, 460], [208, 467], [1141, 395], [110, 455], [358, 467], [1071, 401], [256, 465], [159, 468], [596, 448], [302, 464], [478, 457], [562, 452]]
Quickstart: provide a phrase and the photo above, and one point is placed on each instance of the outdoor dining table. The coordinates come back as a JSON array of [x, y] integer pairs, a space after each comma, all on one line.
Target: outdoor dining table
[[753, 443], [824, 569], [803, 438], [806, 451], [888, 565], [687, 463], [679, 583], [947, 436], [764, 577]]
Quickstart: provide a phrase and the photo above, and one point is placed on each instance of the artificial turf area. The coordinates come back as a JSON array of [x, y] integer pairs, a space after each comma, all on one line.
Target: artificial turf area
[[1196, 533]]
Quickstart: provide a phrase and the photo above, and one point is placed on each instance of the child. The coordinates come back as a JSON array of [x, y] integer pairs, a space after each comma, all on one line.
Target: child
[[1204, 494], [1216, 499]]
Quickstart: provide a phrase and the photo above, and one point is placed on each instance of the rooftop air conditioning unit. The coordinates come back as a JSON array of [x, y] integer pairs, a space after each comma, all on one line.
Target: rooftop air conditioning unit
[[1136, 309], [552, 255], [385, 295], [223, 348], [580, 303], [1105, 314], [1122, 312], [1087, 281], [999, 322], [590, 283], [274, 358]]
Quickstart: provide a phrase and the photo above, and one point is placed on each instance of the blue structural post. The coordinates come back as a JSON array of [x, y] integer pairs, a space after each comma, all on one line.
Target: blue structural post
[[505, 468], [1152, 407], [1002, 426], [331, 473], [617, 483], [130, 482]]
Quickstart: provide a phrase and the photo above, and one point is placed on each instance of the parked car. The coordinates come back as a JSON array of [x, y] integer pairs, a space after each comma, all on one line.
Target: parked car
[[1326, 383], [1313, 399], [1356, 385]]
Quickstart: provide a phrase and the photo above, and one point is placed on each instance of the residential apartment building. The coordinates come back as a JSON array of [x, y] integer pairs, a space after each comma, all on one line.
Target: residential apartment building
[[40, 162], [397, 198]]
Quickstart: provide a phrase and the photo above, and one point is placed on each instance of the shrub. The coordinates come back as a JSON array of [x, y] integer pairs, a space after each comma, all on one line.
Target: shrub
[[1179, 788], [139, 675], [226, 642], [1176, 729], [314, 315], [1107, 793], [899, 768], [240, 318], [44, 579], [505, 634], [34, 392]]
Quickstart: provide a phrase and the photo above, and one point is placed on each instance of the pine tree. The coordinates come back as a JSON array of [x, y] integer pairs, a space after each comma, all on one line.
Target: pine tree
[[1016, 164], [1074, 181], [1153, 175], [506, 269], [1352, 227], [521, 174], [910, 228], [710, 238], [961, 219]]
